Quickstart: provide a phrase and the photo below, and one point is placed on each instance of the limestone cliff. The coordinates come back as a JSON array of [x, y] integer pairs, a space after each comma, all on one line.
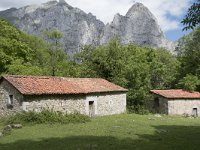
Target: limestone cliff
[[138, 26]]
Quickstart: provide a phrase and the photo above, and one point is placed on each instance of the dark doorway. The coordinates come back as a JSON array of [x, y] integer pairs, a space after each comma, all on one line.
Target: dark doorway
[[91, 108], [156, 105], [10, 102], [156, 102], [195, 112]]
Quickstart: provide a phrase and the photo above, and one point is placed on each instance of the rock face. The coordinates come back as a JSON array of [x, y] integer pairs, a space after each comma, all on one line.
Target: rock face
[[138, 26], [78, 27]]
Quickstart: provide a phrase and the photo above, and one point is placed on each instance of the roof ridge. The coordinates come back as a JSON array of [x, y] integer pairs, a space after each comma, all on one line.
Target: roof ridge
[[177, 93], [176, 90], [37, 85], [46, 77]]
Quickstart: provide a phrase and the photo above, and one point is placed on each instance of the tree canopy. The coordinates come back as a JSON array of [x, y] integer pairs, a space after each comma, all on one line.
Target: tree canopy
[[192, 19], [136, 68], [20, 50], [189, 54], [25, 54]]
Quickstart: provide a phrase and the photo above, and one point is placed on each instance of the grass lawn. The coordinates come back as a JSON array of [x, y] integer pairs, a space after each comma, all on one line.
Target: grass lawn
[[118, 132]]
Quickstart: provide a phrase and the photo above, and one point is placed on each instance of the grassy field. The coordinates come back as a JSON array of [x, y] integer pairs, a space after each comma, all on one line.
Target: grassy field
[[119, 132]]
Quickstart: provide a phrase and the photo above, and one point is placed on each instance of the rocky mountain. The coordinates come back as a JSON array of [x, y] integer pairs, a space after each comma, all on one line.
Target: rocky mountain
[[138, 26]]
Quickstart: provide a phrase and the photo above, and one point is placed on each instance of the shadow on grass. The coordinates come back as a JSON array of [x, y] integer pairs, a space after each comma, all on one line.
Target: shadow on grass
[[165, 137], [172, 138]]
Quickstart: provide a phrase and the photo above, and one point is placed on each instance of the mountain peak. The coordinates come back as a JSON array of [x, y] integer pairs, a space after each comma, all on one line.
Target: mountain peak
[[137, 7], [139, 11], [62, 1], [137, 4], [139, 26]]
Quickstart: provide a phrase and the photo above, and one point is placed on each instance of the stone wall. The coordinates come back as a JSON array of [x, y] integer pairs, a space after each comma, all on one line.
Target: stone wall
[[107, 103], [103, 103], [62, 103], [7, 89], [180, 107], [177, 106]]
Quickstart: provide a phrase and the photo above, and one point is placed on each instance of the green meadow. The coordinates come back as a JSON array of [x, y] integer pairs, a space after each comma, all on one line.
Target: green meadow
[[118, 132]]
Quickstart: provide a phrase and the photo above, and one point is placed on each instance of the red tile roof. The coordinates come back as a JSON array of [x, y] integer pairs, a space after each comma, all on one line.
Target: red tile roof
[[177, 94], [32, 85]]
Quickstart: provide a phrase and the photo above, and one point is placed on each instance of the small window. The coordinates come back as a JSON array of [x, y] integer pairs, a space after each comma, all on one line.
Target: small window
[[91, 103], [10, 100]]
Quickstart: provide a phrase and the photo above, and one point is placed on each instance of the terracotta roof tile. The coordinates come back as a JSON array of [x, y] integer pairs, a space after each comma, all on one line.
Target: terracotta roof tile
[[32, 85], [176, 94]]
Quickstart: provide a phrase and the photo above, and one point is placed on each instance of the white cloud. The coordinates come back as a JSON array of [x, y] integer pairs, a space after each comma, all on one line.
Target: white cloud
[[168, 12]]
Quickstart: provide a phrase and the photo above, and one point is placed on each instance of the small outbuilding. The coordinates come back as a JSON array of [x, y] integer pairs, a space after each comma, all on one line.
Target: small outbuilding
[[176, 102], [89, 96]]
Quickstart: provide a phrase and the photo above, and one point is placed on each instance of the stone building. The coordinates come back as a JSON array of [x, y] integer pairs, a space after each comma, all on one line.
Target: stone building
[[89, 96], [176, 102]]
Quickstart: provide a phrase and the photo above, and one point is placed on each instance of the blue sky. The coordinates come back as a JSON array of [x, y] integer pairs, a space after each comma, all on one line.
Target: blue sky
[[173, 35], [176, 33], [169, 13]]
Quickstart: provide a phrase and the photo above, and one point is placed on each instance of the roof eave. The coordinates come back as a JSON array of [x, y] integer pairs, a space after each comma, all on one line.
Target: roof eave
[[39, 94], [172, 98]]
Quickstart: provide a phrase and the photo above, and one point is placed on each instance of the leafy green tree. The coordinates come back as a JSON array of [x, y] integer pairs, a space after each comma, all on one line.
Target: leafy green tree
[[136, 68], [189, 82], [192, 19], [24, 54], [189, 71], [163, 68], [190, 62], [16, 45], [55, 49], [20, 68], [58, 63], [181, 44]]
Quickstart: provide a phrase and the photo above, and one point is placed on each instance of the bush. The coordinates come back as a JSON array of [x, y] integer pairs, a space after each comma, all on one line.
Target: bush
[[138, 109], [45, 117]]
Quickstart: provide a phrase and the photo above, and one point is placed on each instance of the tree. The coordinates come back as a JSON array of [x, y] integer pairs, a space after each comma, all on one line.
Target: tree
[[20, 68], [190, 62], [58, 59], [163, 68], [192, 19], [189, 82], [136, 68], [189, 54], [16, 45]]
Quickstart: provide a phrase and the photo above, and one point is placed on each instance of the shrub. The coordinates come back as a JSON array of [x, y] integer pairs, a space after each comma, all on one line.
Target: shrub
[[45, 117], [138, 109]]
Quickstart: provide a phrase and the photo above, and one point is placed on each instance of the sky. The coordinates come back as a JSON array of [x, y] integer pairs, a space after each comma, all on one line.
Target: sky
[[169, 13]]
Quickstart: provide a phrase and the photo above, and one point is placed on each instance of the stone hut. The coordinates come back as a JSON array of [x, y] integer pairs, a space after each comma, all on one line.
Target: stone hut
[[176, 102], [89, 96]]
